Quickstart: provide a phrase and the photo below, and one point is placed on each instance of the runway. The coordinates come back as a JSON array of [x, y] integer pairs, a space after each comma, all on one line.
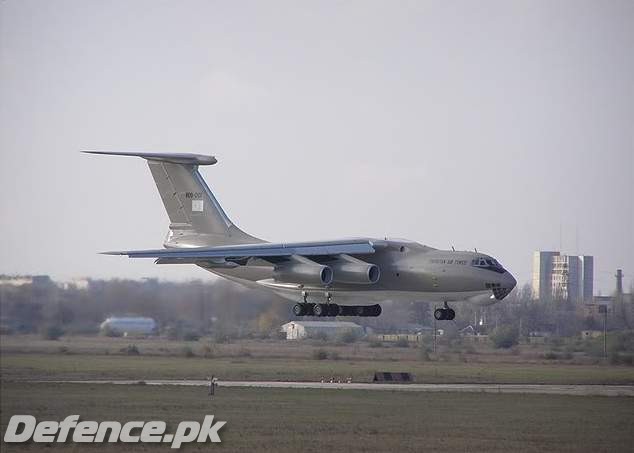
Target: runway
[[548, 389]]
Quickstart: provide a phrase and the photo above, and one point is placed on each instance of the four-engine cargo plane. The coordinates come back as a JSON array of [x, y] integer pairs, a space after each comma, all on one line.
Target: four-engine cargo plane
[[319, 275]]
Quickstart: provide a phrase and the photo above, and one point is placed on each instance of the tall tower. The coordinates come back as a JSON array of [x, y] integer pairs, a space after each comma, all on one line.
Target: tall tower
[[619, 282]]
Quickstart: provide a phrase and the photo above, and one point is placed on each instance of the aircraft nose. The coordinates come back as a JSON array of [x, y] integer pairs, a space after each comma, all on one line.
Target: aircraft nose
[[510, 281], [507, 285]]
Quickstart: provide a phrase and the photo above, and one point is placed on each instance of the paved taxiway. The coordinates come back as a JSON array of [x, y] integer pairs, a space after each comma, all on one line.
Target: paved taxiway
[[552, 389]]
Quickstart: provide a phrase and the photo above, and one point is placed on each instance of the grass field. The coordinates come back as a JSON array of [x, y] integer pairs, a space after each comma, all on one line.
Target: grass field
[[284, 420], [93, 357], [83, 366]]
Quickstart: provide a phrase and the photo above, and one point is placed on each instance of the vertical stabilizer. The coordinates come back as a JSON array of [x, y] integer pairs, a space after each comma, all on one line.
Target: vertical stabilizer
[[196, 217]]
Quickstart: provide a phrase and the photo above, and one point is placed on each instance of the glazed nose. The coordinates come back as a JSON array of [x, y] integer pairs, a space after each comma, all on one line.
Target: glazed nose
[[507, 285], [509, 281]]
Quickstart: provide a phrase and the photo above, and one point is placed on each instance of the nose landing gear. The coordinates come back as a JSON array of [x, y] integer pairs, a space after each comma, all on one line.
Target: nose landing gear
[[444, 314]]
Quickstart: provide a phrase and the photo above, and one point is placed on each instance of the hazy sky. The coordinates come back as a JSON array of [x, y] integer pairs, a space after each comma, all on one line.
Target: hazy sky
[[474, 124]]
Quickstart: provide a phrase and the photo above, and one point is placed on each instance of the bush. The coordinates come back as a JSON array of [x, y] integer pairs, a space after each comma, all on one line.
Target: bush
[[244, 352], [172, 333], [551, 355], [505, 337], [221, 336], [131, 349], [375, 344], [423, 354], [208, 351], [347, 337], [52, 332], [402, 343], [190, 335], [320, 354], [188, 352], [278, 335]]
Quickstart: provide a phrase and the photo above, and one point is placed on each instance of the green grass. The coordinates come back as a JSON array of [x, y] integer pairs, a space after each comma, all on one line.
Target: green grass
[[284, 420], [83, 366]]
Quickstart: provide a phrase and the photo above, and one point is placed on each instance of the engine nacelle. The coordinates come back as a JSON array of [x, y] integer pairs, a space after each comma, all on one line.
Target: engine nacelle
[[351, 270], [306, 273]]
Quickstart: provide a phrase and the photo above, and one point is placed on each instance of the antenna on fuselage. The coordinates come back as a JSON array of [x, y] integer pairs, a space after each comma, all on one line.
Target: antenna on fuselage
[[452, 248], [476, 250]]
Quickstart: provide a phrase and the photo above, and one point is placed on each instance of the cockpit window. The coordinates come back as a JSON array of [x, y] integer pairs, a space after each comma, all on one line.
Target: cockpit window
[[487, 263]]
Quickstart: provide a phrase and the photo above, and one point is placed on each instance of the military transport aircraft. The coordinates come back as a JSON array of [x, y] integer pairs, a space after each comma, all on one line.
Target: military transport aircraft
[[318, 275]]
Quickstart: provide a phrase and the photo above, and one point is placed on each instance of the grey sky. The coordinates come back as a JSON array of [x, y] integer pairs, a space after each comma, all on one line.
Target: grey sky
[[470, 124]]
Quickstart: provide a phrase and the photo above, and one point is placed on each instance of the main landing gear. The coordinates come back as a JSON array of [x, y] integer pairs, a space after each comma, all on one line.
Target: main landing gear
[[308, 309], [329, 309], [444, 314]]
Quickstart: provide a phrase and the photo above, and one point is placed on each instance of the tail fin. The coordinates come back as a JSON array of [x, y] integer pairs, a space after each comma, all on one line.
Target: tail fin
[[196, 217]]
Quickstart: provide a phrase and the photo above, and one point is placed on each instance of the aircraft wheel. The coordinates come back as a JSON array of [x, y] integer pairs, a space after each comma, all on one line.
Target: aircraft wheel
[[333, 310], [451, 314], [299, 310], [320, 310], [359, 310], [439, 314]]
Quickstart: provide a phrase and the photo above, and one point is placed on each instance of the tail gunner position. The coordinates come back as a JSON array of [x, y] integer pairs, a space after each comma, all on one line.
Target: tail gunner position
[[325, 278]]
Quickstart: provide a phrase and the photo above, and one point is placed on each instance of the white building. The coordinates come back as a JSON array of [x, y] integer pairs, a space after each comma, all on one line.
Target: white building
[[130, 325], [296, 330], [562, 277]]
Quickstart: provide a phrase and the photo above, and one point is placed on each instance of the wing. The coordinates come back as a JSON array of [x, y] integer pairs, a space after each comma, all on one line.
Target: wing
[[239, 254]]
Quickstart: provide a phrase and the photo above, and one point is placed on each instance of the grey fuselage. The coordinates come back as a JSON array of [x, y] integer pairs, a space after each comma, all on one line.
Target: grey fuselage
[[408, 271]]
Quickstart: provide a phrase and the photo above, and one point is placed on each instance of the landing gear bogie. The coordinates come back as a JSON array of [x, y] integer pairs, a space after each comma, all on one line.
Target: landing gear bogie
[[444, 314], [308, 309]]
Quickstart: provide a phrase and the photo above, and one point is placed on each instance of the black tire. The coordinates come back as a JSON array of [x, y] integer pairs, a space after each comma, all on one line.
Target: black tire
[[374, 310], [359, 310], [440, 314], [320, 310], [346, 310], [451, 314], [299, 310], [333, 310]]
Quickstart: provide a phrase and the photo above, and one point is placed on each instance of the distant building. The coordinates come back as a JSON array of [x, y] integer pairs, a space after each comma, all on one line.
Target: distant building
[[19, 280], [75, 283], [130, 325], [562, 277], [296, 330]]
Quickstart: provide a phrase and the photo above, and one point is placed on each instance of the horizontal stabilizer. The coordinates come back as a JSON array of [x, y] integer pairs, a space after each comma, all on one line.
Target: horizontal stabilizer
[[175, 158]]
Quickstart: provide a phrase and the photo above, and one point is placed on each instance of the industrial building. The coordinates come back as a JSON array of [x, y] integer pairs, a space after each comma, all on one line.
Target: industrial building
[[562, 277], [297, 330], [129, 325]]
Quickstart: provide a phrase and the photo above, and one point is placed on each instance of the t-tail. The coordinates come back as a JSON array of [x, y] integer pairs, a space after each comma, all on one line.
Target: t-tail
[[196, 217]]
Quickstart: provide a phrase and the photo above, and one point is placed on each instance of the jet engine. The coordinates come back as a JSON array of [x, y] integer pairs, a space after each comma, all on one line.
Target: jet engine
[[352, 270], [306, 273]]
